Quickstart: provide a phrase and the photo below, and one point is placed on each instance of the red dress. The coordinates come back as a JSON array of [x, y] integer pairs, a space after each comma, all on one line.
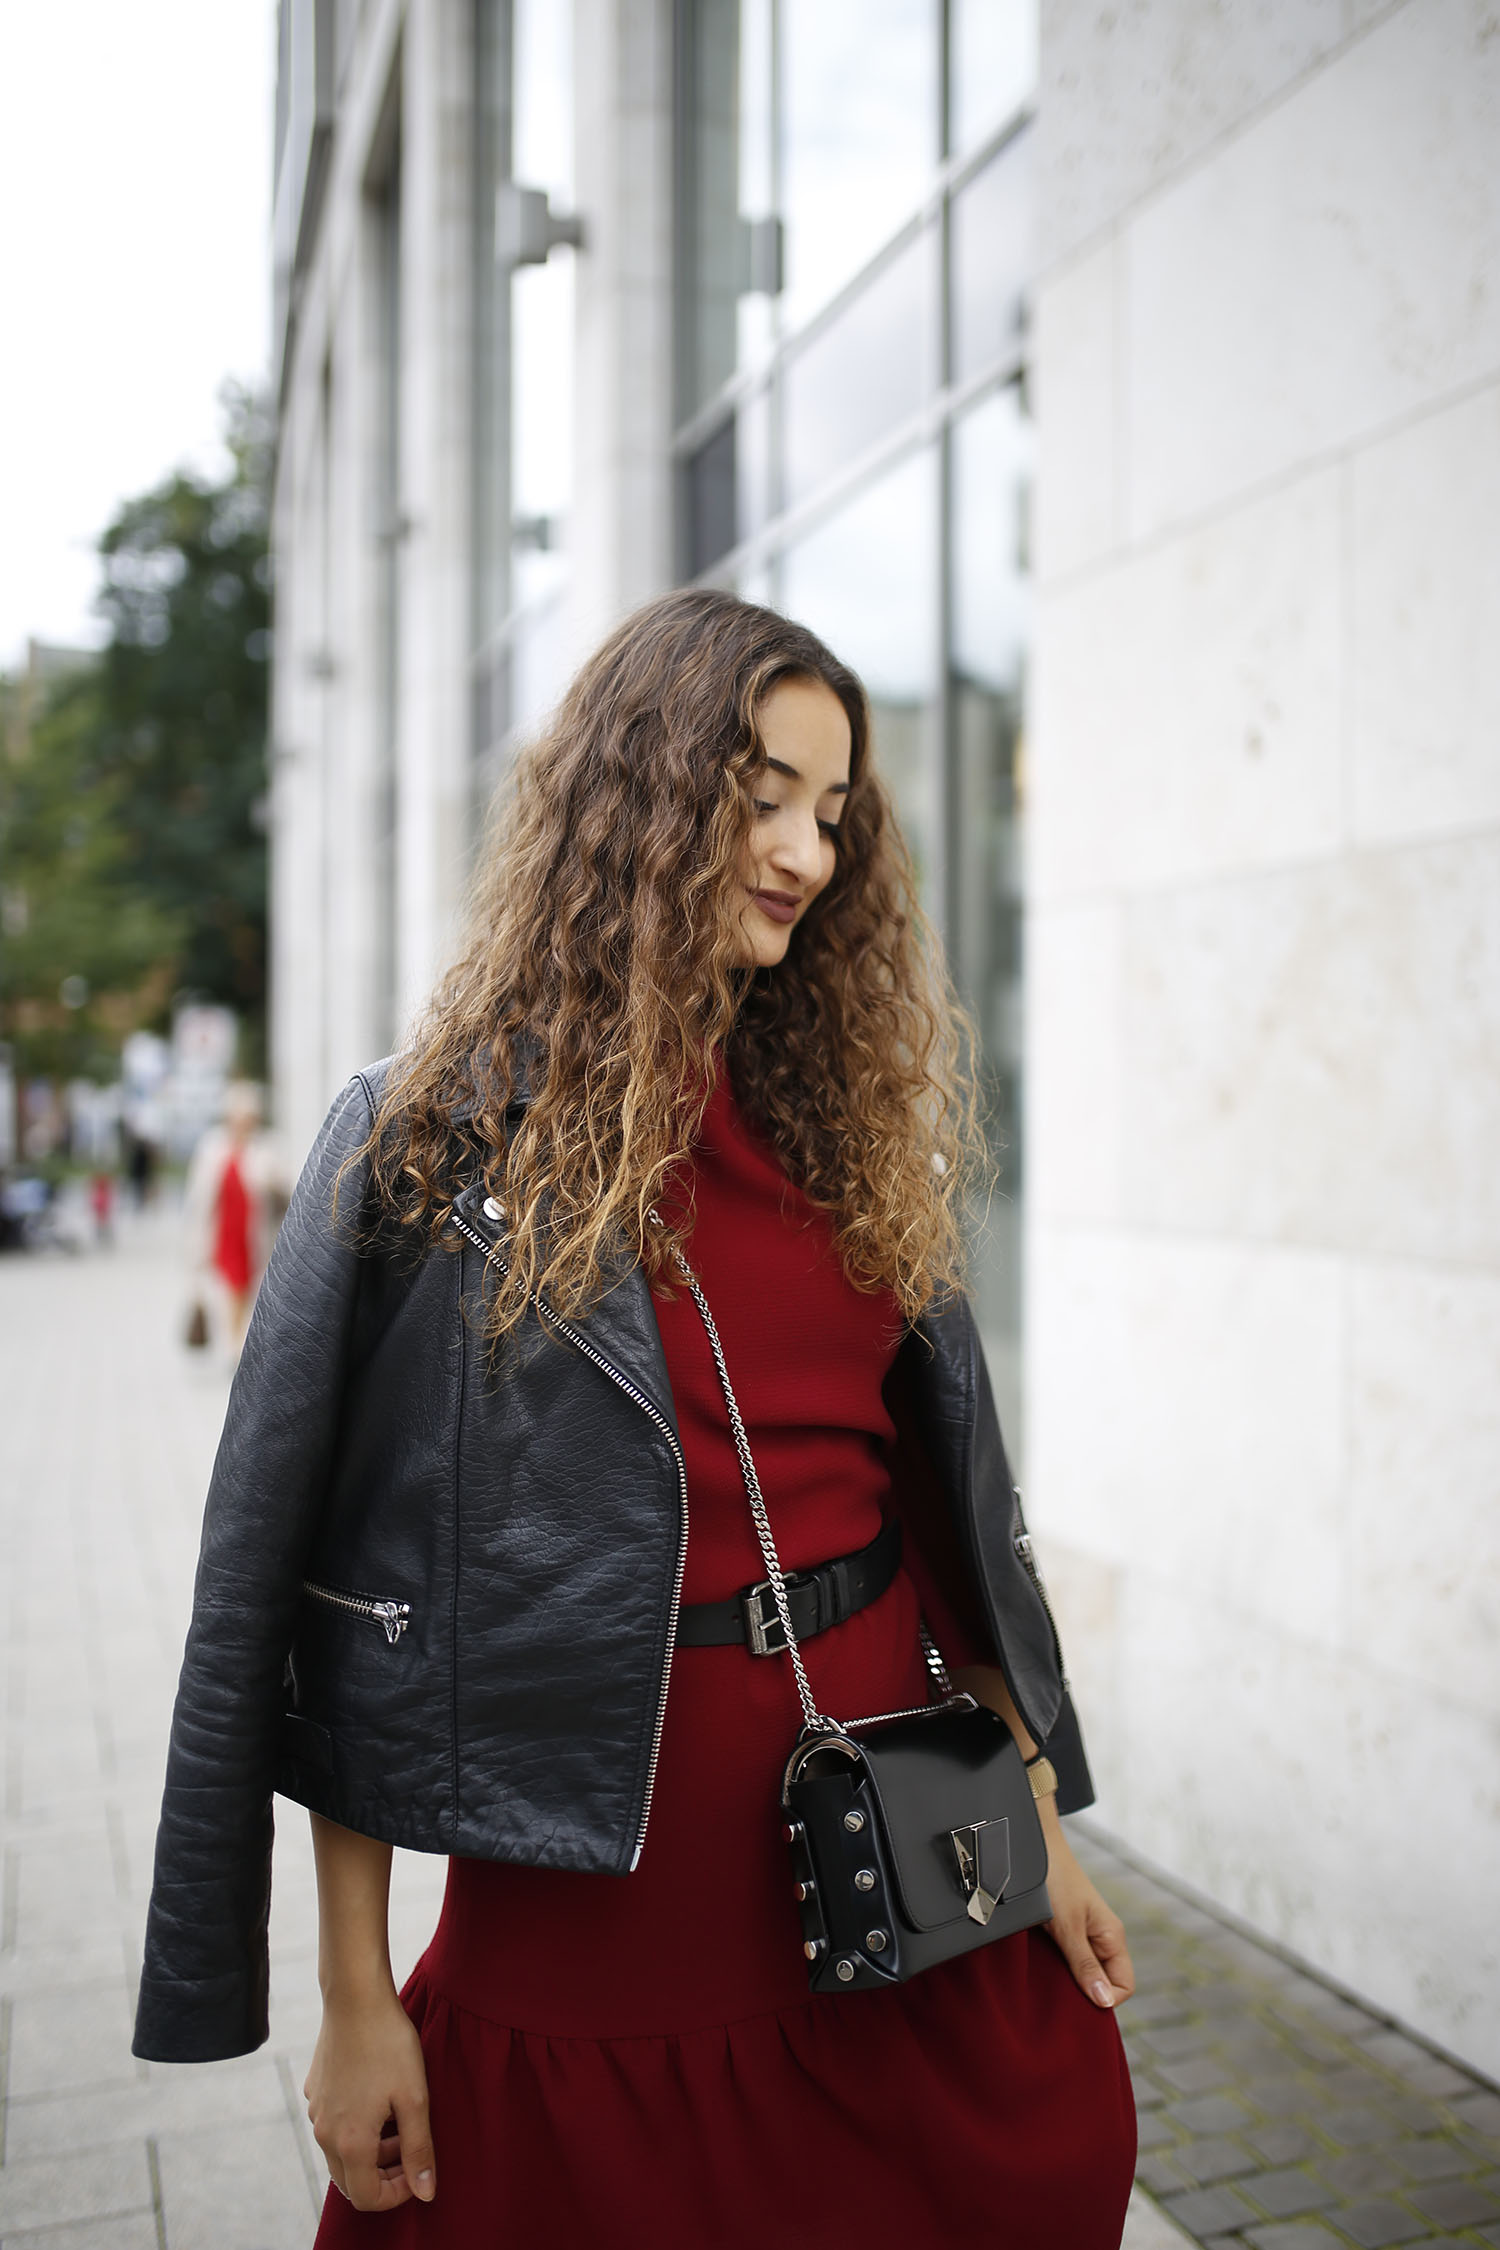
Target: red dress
[[231, 1251], [637, 2062]]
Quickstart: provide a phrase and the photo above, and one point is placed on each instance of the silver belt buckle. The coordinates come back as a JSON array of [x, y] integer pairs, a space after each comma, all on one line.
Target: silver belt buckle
[[758, 1626]]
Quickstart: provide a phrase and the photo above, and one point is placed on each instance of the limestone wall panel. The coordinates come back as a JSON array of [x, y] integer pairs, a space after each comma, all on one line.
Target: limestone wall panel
[[1186, 706], [1302, 288], [1425, 676]]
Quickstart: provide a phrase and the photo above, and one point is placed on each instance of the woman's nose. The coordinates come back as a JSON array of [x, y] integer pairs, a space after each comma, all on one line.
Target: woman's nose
[[798, 849]]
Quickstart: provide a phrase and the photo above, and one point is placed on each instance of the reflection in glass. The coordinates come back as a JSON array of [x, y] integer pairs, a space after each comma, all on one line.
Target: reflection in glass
[[991, 468], [726, 486], [708, 202], [491, 476], [859, 88], [865, 581], [992, 66], [757, 315], [864, 373], [991, 259], [709, 476], [542, 311], [725, 179]]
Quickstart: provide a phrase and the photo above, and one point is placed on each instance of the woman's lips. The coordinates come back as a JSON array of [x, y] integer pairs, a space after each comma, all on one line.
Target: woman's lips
[[780, 909]]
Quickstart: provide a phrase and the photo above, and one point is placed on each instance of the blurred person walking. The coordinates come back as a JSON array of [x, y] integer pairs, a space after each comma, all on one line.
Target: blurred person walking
[[449, 1599], [235, 1200]]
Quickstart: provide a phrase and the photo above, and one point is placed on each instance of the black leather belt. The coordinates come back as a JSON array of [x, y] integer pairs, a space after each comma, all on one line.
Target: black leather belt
[[816, 1598]]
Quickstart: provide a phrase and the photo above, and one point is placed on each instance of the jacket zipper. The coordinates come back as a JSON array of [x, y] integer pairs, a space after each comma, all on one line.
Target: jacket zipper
[[653, 1414], [1021, 1541], [394, 1616]]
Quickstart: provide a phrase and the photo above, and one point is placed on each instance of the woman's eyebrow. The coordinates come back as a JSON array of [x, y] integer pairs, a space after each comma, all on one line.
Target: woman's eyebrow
[[834, 789]]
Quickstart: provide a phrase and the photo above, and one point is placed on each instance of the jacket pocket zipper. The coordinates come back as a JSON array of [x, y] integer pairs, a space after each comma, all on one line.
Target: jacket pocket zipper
[[1021, 1541], [394, 1616]]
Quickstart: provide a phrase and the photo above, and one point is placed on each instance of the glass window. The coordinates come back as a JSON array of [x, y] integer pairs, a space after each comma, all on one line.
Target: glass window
[[491, 473], [542, 310], [991, 259], [992, 66], [709, 203], [870, 368], [866, 581], [859, 134], [991, 471], [726, 485], [710, 500]]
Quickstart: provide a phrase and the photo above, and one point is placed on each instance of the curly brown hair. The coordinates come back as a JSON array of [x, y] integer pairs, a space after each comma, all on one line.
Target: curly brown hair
[[601, 962]]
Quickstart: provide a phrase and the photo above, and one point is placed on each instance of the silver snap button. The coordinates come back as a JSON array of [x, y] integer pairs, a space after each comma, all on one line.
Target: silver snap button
[[493, 1210], [865, 1879], [845, 1972], [812, 1947], [854, 1822], [876, 1941]]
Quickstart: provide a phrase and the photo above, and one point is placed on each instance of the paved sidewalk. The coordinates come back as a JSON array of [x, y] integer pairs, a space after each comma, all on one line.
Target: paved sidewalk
[[1273, 2113]]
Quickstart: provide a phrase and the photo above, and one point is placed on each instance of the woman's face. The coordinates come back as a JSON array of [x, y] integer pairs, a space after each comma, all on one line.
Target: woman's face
[[799, 801]]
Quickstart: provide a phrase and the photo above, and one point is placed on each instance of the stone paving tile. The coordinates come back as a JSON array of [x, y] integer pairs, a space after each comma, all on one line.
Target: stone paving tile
[[240, 2188], [1456, 2203], [89, 2184], [1302, 2234], [1206, 2161], [172, 2099], [1369, 2171], [1380, 2224], [1210, 2210], [136, 2231], [1290, 2193]]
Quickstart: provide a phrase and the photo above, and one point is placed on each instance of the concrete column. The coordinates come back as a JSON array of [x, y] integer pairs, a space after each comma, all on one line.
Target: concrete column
[[433, 732], [620, 536]]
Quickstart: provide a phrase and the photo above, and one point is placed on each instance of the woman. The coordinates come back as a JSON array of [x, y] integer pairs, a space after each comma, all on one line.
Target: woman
[[447, 1574], [234, 1200]]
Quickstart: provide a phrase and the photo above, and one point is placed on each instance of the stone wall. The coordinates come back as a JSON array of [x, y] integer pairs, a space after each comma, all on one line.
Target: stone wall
[[1264, 1206]]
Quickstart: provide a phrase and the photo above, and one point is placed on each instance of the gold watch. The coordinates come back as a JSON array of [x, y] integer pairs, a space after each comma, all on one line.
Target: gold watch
[[1042, 1774]]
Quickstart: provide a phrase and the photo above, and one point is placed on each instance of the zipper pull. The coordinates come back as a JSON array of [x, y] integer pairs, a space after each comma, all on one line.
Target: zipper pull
[[393, 1616]]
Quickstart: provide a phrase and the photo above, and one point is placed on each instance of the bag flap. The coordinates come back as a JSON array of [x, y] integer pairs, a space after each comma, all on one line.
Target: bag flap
[[953, 1770]]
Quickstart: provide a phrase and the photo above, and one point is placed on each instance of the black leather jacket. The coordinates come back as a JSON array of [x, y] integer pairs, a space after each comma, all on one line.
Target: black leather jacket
[[438, 1604]]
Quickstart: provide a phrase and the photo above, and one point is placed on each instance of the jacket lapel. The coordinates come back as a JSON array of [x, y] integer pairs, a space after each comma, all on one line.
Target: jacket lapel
[[621, 1325]]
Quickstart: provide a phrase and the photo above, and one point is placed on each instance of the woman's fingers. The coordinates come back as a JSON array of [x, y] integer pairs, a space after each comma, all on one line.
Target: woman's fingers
[[1071, 1937], [1107, 1937], [414, 2131]]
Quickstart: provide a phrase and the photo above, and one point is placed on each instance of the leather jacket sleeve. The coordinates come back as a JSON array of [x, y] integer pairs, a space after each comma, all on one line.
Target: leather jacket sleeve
[[204, 1984]]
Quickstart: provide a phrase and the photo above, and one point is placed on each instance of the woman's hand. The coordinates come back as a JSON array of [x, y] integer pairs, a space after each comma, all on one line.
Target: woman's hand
[[367, 2089], [1089, 1935], [367, 2100]]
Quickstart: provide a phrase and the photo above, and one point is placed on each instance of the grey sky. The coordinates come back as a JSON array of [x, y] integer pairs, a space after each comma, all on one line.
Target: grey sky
[[135, 168]]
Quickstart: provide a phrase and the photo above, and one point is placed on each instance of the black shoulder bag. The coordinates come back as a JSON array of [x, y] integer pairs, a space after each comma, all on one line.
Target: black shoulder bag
[[914, 1834]]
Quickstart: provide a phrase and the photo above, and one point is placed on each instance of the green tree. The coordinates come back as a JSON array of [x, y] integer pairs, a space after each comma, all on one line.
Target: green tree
[[132, 848]]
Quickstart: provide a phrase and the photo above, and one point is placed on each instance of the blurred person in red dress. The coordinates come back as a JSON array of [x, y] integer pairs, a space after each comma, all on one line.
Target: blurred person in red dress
[[478, 1559], [235, 1197]]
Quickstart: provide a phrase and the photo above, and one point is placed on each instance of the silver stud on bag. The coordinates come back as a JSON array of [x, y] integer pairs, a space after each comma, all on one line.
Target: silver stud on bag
[[845, 1972], [876, 1941], [812, 1947], [865, 1879], [854, 1822], [802, 1891]]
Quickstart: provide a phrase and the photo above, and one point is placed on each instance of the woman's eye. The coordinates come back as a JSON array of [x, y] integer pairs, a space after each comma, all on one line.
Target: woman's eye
[[831, 828]]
